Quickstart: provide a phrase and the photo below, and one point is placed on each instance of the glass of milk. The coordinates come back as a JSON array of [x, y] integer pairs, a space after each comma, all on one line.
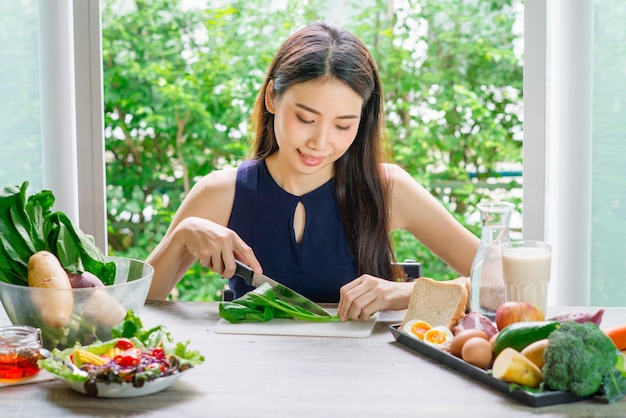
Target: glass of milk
[[526, 271]]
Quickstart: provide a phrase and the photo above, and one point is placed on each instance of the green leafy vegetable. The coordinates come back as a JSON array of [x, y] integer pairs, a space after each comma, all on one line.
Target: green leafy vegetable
[[29, 225], [614, 383], [132, 327], [262, 304]]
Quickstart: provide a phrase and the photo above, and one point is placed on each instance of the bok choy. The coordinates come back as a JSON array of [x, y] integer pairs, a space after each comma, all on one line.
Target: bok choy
[[263, 304]]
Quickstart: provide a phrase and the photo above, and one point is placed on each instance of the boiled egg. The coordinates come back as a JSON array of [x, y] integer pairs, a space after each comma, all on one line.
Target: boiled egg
[[461, 338], [477, 351], [416, 328], [439, 337]]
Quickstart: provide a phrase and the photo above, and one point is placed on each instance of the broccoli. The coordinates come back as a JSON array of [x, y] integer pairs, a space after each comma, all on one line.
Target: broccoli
[[578, 358]]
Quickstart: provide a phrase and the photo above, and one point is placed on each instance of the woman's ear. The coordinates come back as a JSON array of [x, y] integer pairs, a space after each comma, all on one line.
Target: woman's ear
[[269, 97]]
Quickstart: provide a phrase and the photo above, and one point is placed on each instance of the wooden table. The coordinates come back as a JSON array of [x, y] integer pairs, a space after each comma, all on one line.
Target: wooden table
[[286, 376]]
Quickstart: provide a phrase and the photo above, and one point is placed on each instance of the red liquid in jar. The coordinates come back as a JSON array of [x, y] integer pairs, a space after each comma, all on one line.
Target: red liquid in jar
[[19, 352], [17, 366]]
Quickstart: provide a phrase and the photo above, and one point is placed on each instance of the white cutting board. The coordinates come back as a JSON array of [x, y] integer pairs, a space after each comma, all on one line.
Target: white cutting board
[[283, 326]]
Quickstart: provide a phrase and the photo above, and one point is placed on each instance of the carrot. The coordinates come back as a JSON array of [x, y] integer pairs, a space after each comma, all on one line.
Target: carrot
[[52, 291], [618, 335]]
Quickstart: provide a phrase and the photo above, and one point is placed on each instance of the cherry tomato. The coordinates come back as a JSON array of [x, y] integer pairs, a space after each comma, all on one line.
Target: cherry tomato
[[158, 353], [124, 344], [129, 358]]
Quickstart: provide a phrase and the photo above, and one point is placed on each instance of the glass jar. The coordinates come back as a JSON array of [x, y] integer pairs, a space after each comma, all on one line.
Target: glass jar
[[487, 285], [20, 349]]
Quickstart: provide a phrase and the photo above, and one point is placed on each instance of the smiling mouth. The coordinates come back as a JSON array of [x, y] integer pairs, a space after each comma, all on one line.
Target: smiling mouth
[[311, 159]]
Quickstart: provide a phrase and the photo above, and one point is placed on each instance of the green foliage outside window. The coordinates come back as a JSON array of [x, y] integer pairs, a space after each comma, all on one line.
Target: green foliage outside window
[[179, 86]]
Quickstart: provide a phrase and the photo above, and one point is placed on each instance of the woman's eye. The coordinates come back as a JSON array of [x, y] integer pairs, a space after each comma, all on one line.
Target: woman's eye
[[304, 120], [343, 128]]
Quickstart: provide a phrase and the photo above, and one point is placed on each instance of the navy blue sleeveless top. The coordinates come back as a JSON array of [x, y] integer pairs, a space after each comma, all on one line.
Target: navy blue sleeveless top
[[263, 216]]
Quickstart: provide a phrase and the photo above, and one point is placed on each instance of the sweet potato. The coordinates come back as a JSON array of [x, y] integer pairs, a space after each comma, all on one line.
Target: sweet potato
[[86, 279], [580, 317], [52, 292]]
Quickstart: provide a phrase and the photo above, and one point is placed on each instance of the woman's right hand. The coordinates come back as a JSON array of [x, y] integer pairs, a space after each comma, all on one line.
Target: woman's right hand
[[215, 246]]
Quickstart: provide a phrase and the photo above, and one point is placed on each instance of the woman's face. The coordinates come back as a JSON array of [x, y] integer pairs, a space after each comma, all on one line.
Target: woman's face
[[315, 123]]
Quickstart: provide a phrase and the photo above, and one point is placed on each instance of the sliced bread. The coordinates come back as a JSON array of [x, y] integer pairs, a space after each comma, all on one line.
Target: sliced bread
[[466, 282], [437, 302]]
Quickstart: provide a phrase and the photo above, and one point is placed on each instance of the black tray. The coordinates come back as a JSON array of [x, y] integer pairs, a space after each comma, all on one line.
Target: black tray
[[533, 399]]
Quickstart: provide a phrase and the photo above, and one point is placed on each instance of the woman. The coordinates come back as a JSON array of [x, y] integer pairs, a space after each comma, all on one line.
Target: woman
[[314, 207]]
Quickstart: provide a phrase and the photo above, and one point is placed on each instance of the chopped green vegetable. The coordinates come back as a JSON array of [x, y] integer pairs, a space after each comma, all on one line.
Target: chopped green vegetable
[[29, 225], [262, 304]]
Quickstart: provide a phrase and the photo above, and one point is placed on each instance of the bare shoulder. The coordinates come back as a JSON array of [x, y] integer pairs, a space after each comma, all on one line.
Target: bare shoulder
[[393, 171], [212, 196], [401, 181], [407, 195], [221, 179]]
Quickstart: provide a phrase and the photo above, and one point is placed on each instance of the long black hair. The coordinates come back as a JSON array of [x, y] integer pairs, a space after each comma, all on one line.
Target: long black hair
[[323, 50]]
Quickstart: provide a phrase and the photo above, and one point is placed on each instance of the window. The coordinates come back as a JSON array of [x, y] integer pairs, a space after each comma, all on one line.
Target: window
[[50, 109], [574, 101], [574, 177], [608, 181], [20, 124]]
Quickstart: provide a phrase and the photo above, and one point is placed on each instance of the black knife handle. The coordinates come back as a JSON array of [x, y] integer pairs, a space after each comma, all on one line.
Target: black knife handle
[[412, 270], [245, 272]]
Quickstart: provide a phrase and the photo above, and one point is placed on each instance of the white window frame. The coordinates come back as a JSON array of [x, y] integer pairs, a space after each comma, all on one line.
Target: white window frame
[[72, 116], [89, 123], [56, 79], [558, 37]]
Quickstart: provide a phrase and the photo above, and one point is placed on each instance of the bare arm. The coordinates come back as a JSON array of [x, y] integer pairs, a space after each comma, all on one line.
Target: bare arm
[[199, 231], [416, 210], [412, 208]]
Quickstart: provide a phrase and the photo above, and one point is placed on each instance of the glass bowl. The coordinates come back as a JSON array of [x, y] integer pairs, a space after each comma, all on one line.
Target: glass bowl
[[95, 310]]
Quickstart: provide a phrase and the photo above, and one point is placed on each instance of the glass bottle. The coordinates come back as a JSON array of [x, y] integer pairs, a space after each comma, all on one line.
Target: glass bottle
[[487, 288]]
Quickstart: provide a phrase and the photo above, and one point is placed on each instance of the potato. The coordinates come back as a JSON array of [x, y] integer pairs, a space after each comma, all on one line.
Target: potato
[[534, 352], [56, 302], [104, 309], [511, 366]]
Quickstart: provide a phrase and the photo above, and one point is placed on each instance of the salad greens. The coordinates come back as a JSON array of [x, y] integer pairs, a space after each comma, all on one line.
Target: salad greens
[[29, 225], [262, 304], [178, 354], [158, 336]]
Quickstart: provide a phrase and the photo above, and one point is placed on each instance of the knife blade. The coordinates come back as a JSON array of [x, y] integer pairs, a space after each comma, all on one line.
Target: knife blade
[[281, 291]]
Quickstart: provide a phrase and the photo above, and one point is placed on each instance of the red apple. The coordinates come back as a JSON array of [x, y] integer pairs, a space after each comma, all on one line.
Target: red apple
[[510, 312]]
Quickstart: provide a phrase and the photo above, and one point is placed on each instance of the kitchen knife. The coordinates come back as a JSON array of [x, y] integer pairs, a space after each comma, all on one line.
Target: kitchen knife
[[282, 292]]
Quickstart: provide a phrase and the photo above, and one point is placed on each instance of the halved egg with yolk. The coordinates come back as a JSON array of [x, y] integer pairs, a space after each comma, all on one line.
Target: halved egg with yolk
[[439, 337], [416, 328]]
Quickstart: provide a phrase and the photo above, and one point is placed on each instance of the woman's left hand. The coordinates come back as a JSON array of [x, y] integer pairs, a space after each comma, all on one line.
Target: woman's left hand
[[366, 295]]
